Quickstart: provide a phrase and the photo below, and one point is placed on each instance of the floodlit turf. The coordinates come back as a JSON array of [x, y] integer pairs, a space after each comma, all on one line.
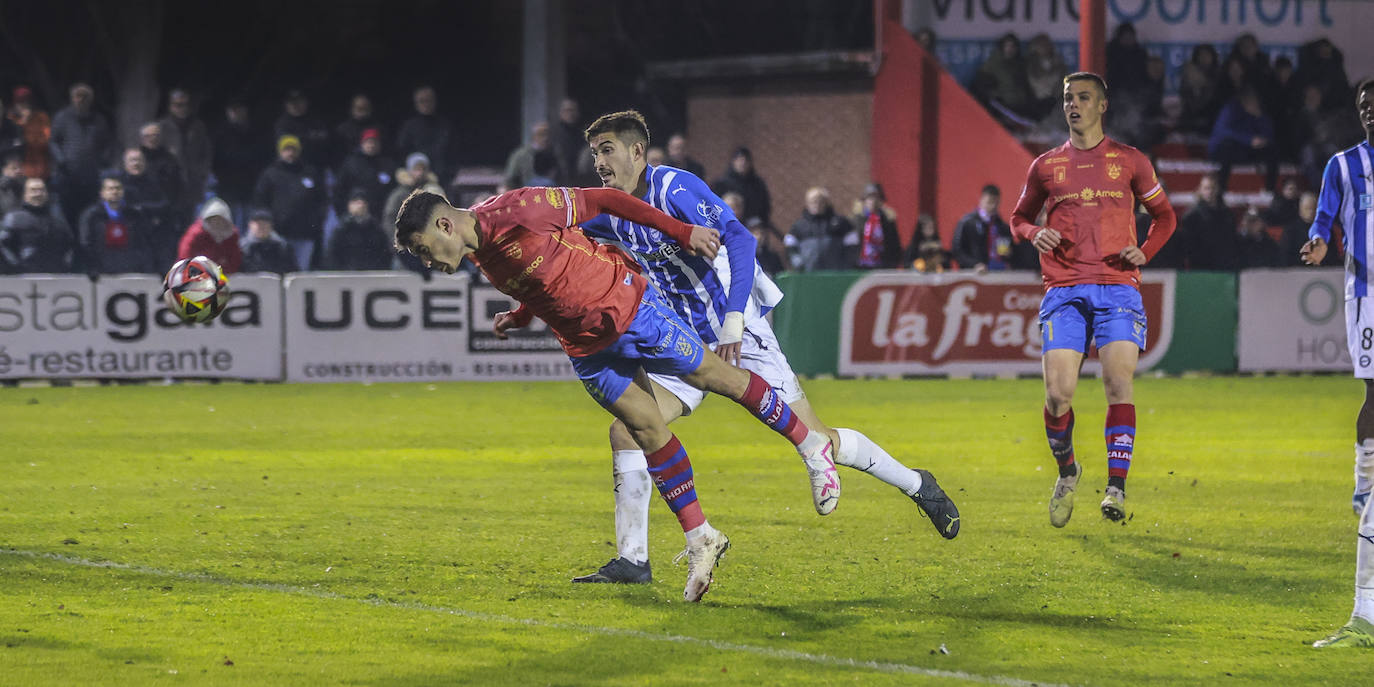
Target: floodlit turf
[[425, 534]]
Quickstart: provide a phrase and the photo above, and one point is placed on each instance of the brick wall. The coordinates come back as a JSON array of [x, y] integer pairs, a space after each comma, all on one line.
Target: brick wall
[[803, 133]]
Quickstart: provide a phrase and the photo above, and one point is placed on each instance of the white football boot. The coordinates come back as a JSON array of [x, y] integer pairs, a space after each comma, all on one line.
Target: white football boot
[[1061, 502], [825, 479], [702, 557]]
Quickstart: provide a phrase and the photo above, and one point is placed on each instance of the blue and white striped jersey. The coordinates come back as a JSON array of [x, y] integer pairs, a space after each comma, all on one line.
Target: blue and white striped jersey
[[1348, 196], [700, 291]]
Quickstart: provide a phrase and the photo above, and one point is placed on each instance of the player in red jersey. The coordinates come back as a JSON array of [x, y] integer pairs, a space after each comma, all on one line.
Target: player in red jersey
[[1091, 266], [612, 324]]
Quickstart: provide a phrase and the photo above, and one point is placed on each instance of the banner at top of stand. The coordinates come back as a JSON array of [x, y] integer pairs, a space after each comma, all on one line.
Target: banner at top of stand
[[1277, 21]]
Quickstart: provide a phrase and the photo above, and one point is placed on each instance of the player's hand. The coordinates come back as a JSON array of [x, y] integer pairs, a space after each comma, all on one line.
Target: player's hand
[[730, 337], [505, 321], [1046, 239], [729, 353], [704, 242], [1133, 256], [1313, 252]]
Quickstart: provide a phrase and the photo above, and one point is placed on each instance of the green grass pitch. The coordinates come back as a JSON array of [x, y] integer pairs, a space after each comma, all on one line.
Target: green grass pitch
[[425, 534]]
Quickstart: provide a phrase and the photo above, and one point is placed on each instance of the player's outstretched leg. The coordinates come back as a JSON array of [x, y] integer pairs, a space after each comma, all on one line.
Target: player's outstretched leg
[[672, 473], [1059, 433], [1359, 632], [816, 449], [861, 453], [765, 403], [1120, 438], [633, 490]]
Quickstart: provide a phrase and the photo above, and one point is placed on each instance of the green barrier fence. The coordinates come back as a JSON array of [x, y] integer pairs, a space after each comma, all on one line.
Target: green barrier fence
[[1205, 316]]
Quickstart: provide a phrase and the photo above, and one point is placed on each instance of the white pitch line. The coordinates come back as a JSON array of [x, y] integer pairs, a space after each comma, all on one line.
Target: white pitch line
[[766, 652]]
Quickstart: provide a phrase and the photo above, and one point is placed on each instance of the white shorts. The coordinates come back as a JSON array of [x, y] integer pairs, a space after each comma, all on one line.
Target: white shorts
[[759, 353], [1359, 335]]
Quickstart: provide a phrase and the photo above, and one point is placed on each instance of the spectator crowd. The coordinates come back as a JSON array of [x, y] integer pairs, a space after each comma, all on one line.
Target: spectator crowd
[[306, 194], [299, 195]]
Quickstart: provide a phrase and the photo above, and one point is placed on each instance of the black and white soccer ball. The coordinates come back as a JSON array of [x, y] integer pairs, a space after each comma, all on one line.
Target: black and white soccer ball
[[195, 289]]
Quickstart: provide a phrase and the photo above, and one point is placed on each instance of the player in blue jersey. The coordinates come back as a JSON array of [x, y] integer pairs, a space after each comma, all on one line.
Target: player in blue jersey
[[1347, 196], [726, 301]]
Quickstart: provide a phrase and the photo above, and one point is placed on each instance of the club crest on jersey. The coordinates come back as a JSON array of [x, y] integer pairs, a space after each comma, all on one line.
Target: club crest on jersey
[[555, 198], [709, 212], [1113, 170], [1366, 201], [1059, 174], [512, 251]]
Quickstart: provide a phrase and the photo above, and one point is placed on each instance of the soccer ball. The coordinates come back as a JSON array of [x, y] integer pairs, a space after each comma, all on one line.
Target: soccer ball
[[195, 289]]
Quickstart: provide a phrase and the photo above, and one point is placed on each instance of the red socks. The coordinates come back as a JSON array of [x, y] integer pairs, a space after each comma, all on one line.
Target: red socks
[[1120, 435], [766, 405], [1059, 432], [672, 473]]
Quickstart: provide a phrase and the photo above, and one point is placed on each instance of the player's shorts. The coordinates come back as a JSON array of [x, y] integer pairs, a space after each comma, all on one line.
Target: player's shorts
[[759, 353], [1359, 335], [657, 341], [1073, 316]]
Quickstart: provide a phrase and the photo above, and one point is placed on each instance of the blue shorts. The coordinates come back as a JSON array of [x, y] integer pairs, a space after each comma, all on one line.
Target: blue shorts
[[657, 341], [1073, 316]]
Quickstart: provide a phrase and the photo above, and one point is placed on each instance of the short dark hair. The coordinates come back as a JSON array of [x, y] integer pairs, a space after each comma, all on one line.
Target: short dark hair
[[1088, 76], [414, 215], [1366, 85], [627, 125], [992, 190]]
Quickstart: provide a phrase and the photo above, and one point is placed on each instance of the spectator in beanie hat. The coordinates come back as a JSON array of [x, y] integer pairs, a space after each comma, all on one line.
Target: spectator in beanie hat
[[294, 193], [366, 168]]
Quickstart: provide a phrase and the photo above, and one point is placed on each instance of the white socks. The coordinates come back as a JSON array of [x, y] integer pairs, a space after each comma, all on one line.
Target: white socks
[[634, 490], [1364, 466], [699, 532], [1364, 567], [859, 452]]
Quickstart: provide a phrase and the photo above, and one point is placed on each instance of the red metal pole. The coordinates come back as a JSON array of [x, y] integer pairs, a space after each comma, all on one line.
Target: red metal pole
[[1092, 36], [883, 11]]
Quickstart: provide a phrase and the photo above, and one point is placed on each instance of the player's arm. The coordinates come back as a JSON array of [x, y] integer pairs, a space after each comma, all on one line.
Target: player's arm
[[1328, 204], [1032, 199], [1163, 220], [741, 249], [696, 240]]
